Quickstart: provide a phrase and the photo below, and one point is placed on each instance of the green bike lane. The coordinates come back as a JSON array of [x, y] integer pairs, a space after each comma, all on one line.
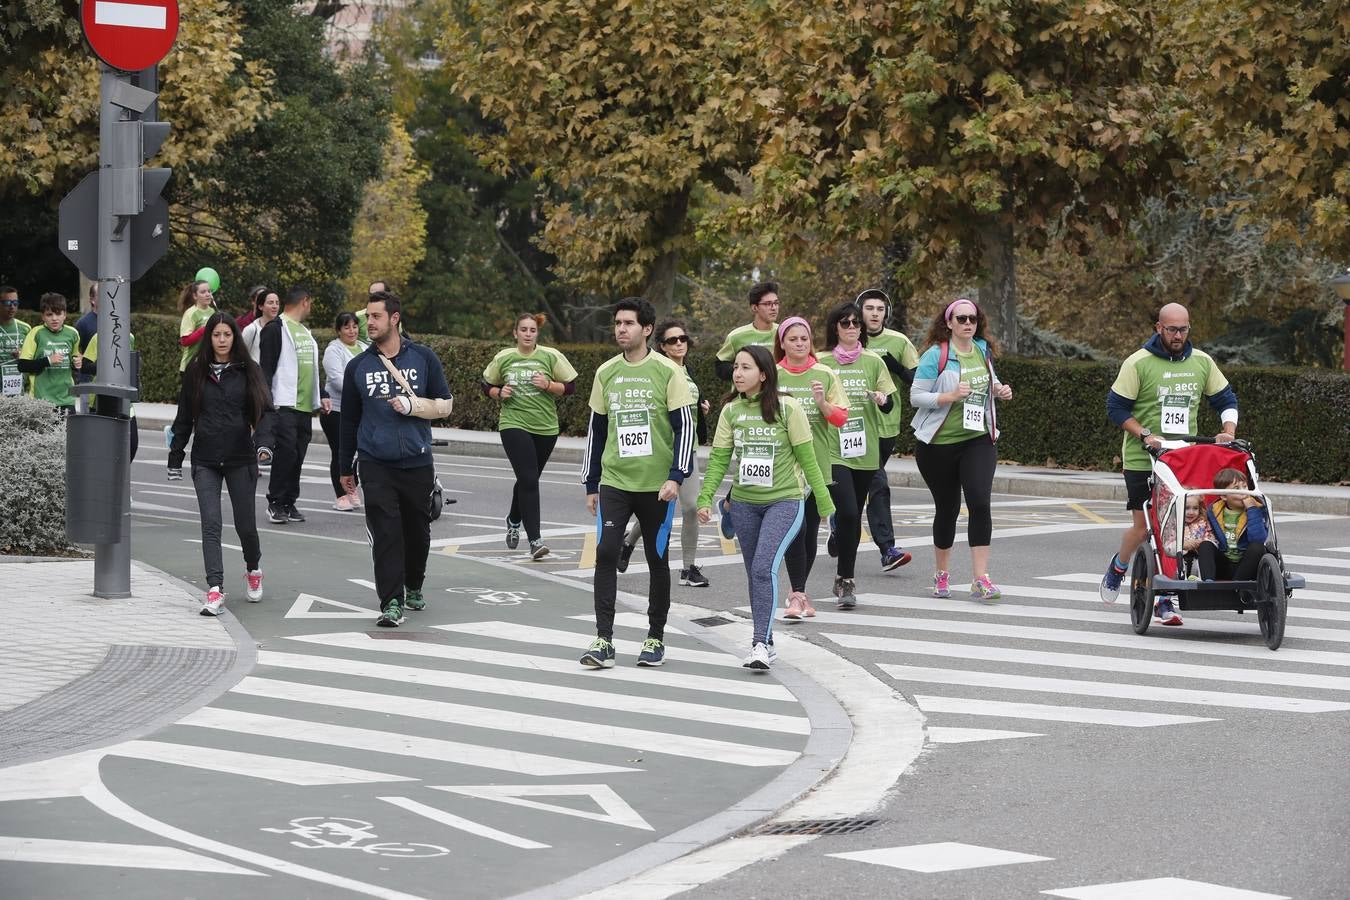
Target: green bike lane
[[465, 752]]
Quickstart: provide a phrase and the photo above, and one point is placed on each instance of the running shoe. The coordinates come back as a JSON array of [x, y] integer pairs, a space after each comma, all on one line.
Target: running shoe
[[653, 653], [693, 577], [808, 610], [984, 589], [773, 654], [600, 655], [537, 549], [293, 514], [512, 534], [942, 588], [1109, 590], [1165, 611], [276, 514], [392, 617], [795, 607], [413, 599], [254, 580], [215, 602], [843, 590], [343, 504], [727, 526], [893, 558], [625, 552], [758, 658], [355, 500]]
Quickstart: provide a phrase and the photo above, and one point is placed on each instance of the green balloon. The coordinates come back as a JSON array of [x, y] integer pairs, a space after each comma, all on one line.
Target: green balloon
[[210, 276]]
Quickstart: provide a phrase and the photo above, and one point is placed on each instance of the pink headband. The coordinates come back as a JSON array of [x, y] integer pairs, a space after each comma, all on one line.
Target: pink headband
[[788, 323], [947, 316]]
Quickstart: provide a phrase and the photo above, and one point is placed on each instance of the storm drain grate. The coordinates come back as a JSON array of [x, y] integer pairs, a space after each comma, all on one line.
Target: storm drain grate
[[819, 826], [712, 621]]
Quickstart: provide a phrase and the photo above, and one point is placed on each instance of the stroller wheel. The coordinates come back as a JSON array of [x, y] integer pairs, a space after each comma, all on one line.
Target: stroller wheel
[[1272, 600], [1141, 591]]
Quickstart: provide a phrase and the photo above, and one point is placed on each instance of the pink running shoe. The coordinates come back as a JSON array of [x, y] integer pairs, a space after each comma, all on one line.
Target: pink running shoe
[[808, 610], [794, 610], [215, 602], [941, 586], [984, 589], [254, 585]]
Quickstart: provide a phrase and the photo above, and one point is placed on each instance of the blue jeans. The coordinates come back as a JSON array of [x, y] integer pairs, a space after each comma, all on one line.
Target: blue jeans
[[765, 531]]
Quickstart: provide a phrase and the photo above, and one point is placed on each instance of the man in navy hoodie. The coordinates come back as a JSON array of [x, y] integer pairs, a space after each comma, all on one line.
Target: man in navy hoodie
[[393, 450]]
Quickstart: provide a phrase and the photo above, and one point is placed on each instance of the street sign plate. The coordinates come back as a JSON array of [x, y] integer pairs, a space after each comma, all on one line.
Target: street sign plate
[[77, 226], [130, 34]]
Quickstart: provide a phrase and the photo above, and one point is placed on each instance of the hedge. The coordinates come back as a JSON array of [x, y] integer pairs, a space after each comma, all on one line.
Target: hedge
[[1297, 419], [33, 489]]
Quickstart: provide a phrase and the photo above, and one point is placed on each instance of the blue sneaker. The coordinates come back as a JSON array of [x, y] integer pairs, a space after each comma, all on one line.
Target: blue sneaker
[[600, 655], [728, 528], [1165, 612], [653, 653], [1109, 589]]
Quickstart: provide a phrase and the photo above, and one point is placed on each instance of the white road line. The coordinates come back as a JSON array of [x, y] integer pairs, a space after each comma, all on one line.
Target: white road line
[[222, 543], [1095, 663], [1152, 888], [1336, 549], [1090, 578], [497, 538], [1124, 639], [557, 637], [98, 853], [943, 734], [462, 824], [535, 690], [667, 679], [401, 745], [1329, 562], [1004, 681], [253, 765], [1036, 592], [1044, 713], [627, 620], [520, 723]]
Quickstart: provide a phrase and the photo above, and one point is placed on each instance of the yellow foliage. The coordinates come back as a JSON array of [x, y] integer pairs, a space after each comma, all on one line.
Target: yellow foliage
[[389, 237]]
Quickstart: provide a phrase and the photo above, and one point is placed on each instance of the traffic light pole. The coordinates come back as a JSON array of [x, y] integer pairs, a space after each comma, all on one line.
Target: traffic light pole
[[112, 561]]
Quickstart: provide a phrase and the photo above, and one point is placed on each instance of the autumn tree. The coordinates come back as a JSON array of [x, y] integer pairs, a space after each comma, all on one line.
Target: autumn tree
[[965, 127], [625, 107], [390, 233]]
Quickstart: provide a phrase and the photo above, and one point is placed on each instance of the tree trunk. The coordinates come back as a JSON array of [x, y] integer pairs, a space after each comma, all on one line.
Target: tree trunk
[[894, 255], [998, 294], [667, 225]]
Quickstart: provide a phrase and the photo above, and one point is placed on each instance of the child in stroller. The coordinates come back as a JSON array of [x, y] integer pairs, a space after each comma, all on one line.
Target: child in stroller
[[1195, 532], [1238, 524]]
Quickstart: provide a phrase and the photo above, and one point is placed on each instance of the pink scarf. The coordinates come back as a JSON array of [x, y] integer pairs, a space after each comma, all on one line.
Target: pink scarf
[[797, 370], [847, 357]]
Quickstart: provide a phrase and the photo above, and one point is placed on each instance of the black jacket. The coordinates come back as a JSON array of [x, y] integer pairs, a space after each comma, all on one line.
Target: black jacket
[[224, 437]]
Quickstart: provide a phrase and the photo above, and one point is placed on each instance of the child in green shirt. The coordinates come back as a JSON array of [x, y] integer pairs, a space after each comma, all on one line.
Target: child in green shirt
[[51, 354]]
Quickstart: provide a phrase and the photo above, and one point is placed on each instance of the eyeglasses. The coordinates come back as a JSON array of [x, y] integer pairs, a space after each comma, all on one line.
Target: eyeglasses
[[1177, 329], [849, 323], [767, 303], [677, 339], [966, 320], [13, 303]]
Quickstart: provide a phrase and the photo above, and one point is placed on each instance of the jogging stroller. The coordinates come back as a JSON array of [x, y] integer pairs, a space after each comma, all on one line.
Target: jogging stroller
[[1158, 564]]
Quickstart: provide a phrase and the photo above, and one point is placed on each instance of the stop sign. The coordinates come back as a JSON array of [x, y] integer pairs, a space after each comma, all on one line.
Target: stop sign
[[130, 34]]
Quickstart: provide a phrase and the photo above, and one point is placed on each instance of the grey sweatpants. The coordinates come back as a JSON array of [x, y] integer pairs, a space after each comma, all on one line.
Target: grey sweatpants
[[688, 520], [241, 482], [765, 531]]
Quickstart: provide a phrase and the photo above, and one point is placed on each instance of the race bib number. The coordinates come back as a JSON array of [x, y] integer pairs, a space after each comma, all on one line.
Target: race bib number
[[11, 384], [972, 412], [757, 465], [634, 433], [853, 439], [1176, 414]]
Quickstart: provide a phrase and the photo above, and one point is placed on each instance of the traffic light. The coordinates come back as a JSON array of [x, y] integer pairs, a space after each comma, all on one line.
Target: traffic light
[[135, 140]]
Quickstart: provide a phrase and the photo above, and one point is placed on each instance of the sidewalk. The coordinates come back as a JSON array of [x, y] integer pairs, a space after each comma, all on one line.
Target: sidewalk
[[109, 670], [1034, 481]]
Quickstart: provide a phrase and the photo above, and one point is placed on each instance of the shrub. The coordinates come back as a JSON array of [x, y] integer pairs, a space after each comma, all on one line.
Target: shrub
[[33, 491]]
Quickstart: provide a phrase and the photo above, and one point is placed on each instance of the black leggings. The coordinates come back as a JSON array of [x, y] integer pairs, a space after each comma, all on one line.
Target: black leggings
[[657, 518], [1214, 564], [949, 470], [849, 492], [528, 454], [801, 553], [331, 423]]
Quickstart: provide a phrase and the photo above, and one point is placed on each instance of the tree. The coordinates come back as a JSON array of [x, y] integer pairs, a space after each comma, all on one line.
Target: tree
[[967, 128], [390, 235], [626, 107], [1267, 113]]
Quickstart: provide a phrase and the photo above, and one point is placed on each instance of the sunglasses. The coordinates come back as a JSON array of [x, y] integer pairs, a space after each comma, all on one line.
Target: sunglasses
[[849, 323], [966, 320], [13, 303], [677, 339]]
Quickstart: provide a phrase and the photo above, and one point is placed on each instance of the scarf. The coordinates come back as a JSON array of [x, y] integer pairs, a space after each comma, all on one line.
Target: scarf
[[797, 370], [847, 357]]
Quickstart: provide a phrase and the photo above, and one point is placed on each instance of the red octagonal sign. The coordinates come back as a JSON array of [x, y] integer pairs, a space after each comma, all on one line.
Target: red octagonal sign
[[130, 34]]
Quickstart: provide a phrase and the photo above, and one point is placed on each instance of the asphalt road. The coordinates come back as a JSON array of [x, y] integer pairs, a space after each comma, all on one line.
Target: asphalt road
[[1065, 754]]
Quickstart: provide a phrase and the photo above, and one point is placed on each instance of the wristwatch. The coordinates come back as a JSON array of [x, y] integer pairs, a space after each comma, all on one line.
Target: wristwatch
[[1144, 434]]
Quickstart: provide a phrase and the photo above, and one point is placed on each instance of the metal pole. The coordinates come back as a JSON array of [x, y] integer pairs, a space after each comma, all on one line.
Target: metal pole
[[112, 562]]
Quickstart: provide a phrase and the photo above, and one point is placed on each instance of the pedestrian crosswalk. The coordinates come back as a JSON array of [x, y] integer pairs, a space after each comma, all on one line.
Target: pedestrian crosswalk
[[1051, 655]]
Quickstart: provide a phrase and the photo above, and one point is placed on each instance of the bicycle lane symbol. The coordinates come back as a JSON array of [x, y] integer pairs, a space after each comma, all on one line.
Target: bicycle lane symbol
[[323, 833], [493, 596]]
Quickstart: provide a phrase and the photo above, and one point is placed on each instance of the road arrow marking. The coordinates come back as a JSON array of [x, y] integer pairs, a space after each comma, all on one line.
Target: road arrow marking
[[616, 809], [303, 608], [454, 821]]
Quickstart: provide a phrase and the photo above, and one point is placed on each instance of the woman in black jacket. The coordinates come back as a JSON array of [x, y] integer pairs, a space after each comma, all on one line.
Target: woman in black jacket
[[226, 402]]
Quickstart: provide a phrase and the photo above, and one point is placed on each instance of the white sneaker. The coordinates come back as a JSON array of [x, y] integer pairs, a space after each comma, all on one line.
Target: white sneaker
[[215, 602], [254, 585], [758, 658], [773, 655]]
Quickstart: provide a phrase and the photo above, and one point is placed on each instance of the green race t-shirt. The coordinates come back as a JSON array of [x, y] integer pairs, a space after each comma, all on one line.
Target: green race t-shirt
[[52, 383], [824, 436], [529, 408], [11, 342], [1229, 520], [637, 399], [744, 336], [194, 317], [967, 418], [900, 348], [765, 470], [856, 447], [1166, 395], [306, 361]]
